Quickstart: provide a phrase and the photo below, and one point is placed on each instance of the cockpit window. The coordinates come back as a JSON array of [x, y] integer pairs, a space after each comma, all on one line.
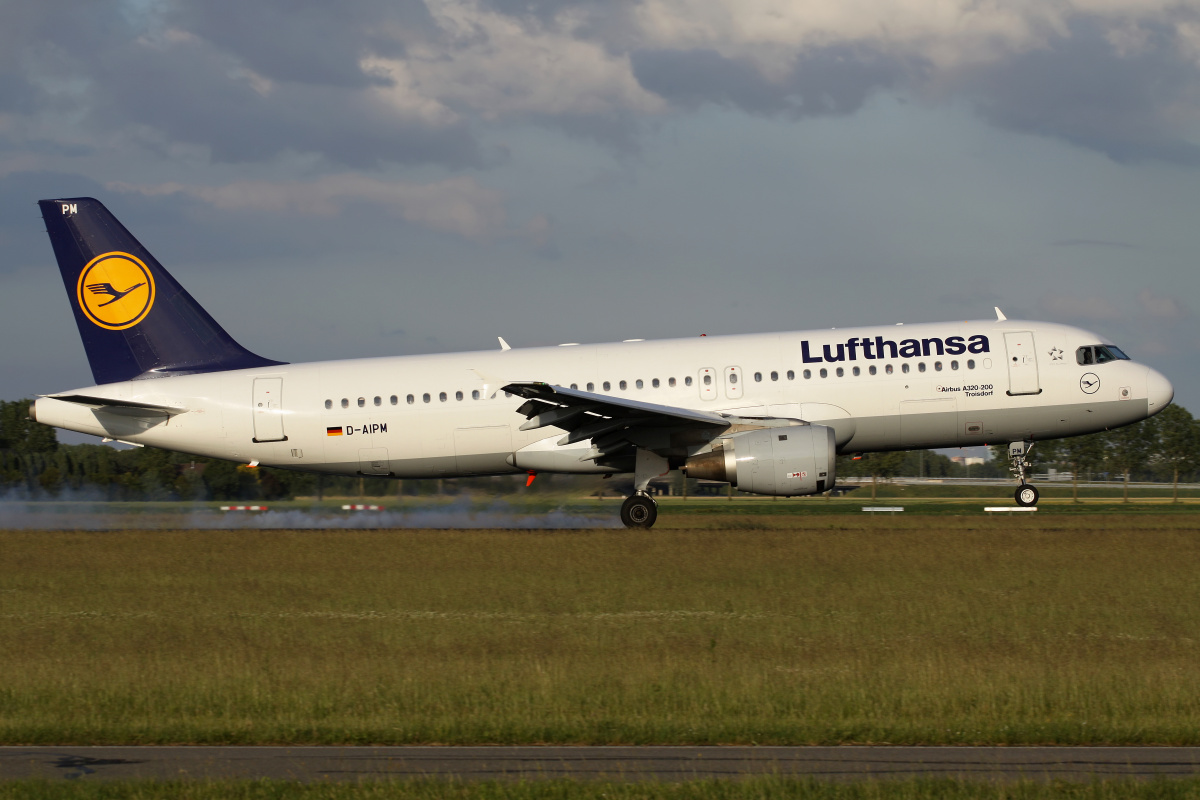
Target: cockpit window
[[1099, 354]]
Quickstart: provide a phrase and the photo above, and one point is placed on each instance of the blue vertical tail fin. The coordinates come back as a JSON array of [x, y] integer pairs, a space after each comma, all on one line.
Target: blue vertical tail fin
[[136, 321]]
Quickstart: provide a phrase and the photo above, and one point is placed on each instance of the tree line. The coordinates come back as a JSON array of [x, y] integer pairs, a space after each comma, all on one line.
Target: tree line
[[34, 464], [1164, 448]]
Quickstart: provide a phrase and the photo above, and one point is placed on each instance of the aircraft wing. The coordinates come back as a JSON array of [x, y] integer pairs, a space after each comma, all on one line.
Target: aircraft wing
[[614, 424]]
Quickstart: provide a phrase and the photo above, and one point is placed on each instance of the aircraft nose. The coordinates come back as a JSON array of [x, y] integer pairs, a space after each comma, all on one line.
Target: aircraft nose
[[1159, 391]]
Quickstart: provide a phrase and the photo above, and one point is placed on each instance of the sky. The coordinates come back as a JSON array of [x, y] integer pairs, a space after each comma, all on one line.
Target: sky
[[375, 177]]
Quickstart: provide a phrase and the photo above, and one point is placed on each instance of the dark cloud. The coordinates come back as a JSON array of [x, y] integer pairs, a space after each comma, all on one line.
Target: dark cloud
[[254, 80], [1081, 88], [192, 88], [186, 94], [308, 42], [835, 79]]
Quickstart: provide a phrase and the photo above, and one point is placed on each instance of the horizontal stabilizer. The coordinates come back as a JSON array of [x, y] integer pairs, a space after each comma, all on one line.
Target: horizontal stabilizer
[[128, 408]]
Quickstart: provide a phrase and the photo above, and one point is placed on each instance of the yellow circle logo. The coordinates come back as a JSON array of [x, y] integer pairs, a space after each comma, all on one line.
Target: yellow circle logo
[[115, 291]]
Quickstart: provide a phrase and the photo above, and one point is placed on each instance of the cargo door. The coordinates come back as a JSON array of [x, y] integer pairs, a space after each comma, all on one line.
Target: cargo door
[[268, 410], [1022, 363], [733, 382], [484, 450], [707, 378], [374, 461], [929, 423]]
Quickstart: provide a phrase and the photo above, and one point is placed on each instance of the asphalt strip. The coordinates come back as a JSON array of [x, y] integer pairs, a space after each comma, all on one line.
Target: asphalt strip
[[846, 763]]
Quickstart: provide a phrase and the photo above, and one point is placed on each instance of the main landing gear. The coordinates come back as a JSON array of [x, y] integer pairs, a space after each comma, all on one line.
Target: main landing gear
[[1027, 494], [639, 511]]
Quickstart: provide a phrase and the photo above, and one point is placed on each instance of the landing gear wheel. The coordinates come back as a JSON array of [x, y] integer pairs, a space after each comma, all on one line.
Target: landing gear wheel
[[639, 511], [1027, 495]]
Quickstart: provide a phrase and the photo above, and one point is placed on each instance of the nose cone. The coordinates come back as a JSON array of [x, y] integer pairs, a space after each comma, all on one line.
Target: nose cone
[[1159, 391]]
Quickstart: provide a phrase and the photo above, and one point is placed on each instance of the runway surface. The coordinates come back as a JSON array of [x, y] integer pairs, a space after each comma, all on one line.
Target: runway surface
[[590, 763]]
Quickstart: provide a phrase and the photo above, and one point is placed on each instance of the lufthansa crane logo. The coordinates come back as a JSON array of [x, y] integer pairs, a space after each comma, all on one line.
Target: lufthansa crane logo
[[115, 291], [1089, 383]]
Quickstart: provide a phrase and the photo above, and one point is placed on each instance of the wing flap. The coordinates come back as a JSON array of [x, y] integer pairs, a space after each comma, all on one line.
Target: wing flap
[[611, 423]]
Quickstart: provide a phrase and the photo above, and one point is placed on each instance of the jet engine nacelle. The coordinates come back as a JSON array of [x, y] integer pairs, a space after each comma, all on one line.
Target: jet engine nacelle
[[788, 461]]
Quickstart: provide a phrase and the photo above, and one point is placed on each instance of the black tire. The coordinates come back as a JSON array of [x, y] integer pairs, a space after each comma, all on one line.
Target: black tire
[[1027, 495], [639, 511]]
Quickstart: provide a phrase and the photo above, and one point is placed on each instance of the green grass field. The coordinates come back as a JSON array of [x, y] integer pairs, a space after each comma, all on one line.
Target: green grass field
[[719, 627], [752, 789]]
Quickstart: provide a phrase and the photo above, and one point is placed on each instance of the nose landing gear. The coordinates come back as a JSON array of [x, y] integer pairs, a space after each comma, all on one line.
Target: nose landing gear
[[1026, 495]]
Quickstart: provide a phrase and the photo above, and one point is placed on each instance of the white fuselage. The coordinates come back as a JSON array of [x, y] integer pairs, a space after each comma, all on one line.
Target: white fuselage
[[445, 415]]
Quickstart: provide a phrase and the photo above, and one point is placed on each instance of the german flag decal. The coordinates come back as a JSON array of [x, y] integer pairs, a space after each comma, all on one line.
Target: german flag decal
[[334, 431]]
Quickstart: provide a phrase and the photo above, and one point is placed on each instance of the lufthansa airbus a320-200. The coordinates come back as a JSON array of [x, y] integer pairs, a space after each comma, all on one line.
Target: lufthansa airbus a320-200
[[767, 413]]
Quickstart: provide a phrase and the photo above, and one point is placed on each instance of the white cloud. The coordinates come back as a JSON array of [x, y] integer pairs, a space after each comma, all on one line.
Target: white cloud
[[497, 65]]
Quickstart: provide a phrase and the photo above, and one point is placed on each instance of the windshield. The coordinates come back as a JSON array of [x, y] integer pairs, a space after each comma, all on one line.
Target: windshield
[[1099, 354]]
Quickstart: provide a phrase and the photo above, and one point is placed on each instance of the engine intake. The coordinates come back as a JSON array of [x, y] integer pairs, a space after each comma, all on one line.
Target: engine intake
[[788, 462]]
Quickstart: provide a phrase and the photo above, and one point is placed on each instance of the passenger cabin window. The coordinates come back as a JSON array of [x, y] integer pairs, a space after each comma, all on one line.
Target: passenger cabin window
[[574, 386], [970, 363], [687, 381], [888, 369], [378, 400], [824, 372], [807, 374], [607, 386], [871, 369], [394, 400], [623, 385], [732, 378], [937, 366], [653, 383], [904, 368], [345, 403], [708, 380], [638, 383], [671, 382], [791, 375], [856, 371], [475, 393], [425, 397], [774, 376], [921, 367], [410, 399], [458, 395], [953, 365], [362, 402], [442, 396], [840, 372], [758, 377], [328, 404], [591, 387]]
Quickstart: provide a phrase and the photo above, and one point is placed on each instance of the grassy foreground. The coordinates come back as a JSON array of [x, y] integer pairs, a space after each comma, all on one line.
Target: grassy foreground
[[1072, 629], [751, 789]]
